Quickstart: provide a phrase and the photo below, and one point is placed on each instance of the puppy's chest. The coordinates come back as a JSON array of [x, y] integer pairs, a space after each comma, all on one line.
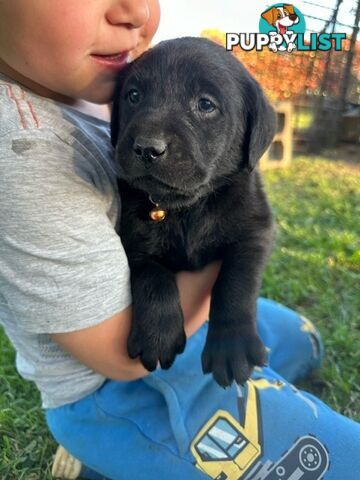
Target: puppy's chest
[[184, 240], [190, 242]]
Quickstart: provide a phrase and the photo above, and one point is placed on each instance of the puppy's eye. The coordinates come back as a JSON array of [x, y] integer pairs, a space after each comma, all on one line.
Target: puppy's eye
[[133, 95], [205, 105]]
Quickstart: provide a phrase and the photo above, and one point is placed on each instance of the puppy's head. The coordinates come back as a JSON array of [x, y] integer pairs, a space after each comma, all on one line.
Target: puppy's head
[[281, 17], [186, 116]]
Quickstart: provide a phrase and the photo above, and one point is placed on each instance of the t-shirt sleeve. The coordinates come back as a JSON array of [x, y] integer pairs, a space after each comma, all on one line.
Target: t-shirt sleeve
[[62, 265]]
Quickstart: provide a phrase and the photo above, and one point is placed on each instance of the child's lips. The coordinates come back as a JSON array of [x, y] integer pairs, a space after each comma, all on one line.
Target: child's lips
[[114, 61]]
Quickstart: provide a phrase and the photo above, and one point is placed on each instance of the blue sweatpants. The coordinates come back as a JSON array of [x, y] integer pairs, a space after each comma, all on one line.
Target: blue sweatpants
[[179, 424]]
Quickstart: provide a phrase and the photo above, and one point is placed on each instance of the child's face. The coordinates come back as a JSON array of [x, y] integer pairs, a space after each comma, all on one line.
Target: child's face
[[56, 47]]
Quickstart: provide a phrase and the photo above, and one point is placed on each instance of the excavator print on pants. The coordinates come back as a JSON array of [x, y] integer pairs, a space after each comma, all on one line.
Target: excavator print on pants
[[229, 449]]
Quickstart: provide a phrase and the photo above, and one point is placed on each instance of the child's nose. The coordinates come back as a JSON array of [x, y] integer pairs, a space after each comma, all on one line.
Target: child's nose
[[134, 13]]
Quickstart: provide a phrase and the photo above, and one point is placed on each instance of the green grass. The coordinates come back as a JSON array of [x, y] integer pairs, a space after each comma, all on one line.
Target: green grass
[[314, 268], [26, 448]]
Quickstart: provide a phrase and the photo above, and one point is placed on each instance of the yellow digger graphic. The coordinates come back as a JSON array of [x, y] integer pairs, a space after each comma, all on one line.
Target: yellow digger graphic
[[228, 449], [225, 449]]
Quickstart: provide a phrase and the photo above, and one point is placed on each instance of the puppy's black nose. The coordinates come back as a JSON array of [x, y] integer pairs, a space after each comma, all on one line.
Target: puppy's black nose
[[293, 17], [149, 149]]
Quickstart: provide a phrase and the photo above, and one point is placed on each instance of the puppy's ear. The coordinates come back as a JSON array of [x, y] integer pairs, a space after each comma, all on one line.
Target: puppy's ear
[[270, 15], [260, 125], [289, 8]]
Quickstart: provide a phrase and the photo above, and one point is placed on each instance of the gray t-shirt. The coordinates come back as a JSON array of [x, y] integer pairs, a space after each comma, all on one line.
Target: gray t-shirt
[[62, 265]]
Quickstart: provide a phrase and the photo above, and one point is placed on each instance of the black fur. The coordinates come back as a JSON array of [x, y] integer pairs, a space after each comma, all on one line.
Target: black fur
[[200, 167]]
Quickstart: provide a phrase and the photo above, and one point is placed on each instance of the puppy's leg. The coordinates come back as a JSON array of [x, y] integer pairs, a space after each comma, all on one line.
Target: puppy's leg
[[273, 47], [273, 44], [291, 47], [157, 333], [232, 346]]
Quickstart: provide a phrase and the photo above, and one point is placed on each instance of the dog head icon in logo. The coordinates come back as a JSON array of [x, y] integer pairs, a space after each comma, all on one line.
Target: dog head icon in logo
[[279, 20]]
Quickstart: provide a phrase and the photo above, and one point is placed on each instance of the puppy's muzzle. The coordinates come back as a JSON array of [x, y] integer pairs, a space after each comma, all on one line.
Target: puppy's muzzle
[[149, 149]]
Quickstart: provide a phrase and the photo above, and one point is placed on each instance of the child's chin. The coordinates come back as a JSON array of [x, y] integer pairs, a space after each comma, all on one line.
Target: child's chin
[[100, 94]]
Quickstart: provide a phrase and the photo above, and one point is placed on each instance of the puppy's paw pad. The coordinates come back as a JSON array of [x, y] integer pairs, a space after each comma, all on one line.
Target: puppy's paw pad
[[233, 357], [255, 351], [155, 348], [133, 346]]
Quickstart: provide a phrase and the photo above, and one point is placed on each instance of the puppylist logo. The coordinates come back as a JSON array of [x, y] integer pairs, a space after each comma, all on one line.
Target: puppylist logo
[[282, 29]]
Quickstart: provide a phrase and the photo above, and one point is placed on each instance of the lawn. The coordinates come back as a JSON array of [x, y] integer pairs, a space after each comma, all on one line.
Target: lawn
[[315, 268]]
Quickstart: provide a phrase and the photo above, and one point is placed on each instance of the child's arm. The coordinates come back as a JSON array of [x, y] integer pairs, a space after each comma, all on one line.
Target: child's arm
[[64, 270], [103, 347]]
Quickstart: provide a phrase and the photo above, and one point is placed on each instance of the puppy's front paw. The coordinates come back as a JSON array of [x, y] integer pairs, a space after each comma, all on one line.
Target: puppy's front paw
[[273, 47], [232, 356], [157, 340], [291, 47]]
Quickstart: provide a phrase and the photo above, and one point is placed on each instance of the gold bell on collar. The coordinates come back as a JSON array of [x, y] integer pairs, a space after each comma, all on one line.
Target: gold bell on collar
[[157, 214]]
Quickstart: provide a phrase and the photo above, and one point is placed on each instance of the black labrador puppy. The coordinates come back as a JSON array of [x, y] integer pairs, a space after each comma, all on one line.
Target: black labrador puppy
[[189, 125]]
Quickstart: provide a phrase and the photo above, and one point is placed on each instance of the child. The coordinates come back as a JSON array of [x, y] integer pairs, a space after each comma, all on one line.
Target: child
[[65, 299]]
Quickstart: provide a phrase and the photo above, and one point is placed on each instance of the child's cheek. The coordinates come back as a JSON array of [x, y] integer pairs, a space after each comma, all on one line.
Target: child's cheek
[[149, 29]]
